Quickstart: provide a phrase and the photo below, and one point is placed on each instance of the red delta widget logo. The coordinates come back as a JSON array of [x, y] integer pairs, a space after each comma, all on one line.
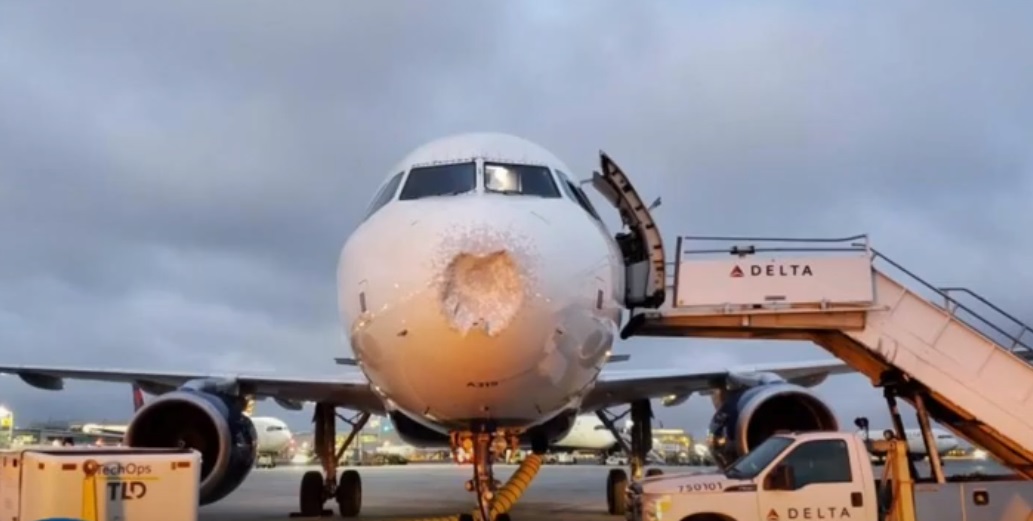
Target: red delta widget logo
[[116, 469], [772, 270]]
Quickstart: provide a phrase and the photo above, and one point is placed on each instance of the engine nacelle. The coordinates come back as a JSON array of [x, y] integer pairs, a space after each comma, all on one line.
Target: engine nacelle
[[749, 416], [416, 434], [215, 427]]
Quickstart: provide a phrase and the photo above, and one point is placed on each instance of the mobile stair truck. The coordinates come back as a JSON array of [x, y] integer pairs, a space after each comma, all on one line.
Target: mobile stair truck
[[825, 476], [99, 484]]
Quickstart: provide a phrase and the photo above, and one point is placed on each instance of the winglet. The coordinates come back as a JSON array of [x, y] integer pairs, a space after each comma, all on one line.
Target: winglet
[[617, 358], [346, 361]]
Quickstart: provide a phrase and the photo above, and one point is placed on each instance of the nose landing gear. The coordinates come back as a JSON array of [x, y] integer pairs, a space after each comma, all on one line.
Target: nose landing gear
[[317, 487], [484, 448]]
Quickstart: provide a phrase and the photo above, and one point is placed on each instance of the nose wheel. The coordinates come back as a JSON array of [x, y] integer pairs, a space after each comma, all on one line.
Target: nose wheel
[[318, 487]]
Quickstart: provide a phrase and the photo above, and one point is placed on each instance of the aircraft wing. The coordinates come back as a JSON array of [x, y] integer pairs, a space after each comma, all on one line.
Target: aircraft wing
[[615, 388], [350, 390]]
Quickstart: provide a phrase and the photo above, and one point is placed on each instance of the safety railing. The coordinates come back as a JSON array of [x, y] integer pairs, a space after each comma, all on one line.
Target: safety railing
[[941, 296], [992, 329], [747, 246], [1016, 341]]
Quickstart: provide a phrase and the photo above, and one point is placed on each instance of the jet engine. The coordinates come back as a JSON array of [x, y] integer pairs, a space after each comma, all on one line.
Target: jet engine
[[416, 434], [204, 421], [751, 415]]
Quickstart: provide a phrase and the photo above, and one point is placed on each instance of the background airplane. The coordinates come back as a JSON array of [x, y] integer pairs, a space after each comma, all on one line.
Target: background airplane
[[587, 433], [480, 294], [945, 441]]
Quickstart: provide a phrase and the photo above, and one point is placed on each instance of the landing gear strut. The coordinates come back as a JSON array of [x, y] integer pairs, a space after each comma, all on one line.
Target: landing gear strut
[[317, 487], [486, 446], [641, 443]]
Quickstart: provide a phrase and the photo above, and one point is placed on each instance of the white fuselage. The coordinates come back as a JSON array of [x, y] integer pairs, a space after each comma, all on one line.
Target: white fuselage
[[945, 441], [588, 433], [480, 306], [273, 434]]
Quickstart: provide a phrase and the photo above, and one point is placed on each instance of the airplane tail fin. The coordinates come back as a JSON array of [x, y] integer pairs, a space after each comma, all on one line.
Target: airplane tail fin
[[137, 398]]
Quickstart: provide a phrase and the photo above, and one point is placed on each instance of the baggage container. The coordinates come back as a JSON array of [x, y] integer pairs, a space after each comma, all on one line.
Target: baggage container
[[99, 484]]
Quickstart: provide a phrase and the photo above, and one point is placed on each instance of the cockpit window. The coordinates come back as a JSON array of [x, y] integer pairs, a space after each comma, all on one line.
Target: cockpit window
[[386, 193], [432, 181], [574, 192], [519, 180]]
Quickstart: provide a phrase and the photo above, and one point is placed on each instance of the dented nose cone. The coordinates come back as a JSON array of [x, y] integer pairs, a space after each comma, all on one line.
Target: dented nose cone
[[455, 272], [482, 291]]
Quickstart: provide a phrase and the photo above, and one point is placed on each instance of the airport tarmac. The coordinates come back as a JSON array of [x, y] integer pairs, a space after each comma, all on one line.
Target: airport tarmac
[[417, 491]]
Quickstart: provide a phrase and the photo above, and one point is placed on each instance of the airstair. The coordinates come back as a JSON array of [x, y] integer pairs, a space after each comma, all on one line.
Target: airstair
[[971, 371]]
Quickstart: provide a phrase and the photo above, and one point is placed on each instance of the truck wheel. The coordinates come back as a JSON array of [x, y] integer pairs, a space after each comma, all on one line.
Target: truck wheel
[[616, 489]]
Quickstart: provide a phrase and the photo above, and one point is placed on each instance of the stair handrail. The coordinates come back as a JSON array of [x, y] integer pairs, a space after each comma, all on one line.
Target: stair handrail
[[855, 243], [1016, 340], [1023, 327]]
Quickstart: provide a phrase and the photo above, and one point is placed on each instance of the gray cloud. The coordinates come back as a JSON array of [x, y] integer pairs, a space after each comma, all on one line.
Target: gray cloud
[[176, 180]]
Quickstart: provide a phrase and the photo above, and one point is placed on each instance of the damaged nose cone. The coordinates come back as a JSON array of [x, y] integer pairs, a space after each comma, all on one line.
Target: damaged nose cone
[[482, 291]]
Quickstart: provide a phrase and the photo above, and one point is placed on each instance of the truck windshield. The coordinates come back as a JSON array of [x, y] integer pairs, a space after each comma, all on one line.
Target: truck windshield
[[753, 462]]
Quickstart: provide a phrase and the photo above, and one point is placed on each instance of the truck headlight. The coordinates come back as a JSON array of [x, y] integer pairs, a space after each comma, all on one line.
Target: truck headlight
[[653, 507]]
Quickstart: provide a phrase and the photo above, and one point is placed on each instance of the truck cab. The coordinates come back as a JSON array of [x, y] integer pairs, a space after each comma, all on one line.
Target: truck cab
[[818, 475], [827, 476]]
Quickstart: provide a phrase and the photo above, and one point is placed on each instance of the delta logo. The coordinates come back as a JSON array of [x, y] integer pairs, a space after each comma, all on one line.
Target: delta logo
[[772, 270]]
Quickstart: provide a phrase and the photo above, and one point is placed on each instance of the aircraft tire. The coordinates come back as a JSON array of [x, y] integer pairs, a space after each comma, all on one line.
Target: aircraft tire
[[310, 496], [616, 486], [349, 494]]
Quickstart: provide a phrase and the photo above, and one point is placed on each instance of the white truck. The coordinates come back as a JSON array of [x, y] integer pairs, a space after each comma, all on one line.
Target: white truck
[[824, 476]]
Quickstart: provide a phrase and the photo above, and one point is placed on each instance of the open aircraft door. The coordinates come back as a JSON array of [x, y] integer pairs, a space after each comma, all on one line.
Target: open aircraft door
[[642, 247]]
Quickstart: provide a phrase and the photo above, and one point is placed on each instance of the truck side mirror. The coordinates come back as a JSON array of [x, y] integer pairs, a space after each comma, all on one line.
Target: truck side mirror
[[781, 478]]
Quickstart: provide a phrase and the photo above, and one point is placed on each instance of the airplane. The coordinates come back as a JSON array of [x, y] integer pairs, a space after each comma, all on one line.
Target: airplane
[[587, 433], [480, 295], [272, 437], [945, 441]]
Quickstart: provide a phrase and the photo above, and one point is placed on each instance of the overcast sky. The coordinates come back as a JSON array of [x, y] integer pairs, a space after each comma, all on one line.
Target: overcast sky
[[177, 178]]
